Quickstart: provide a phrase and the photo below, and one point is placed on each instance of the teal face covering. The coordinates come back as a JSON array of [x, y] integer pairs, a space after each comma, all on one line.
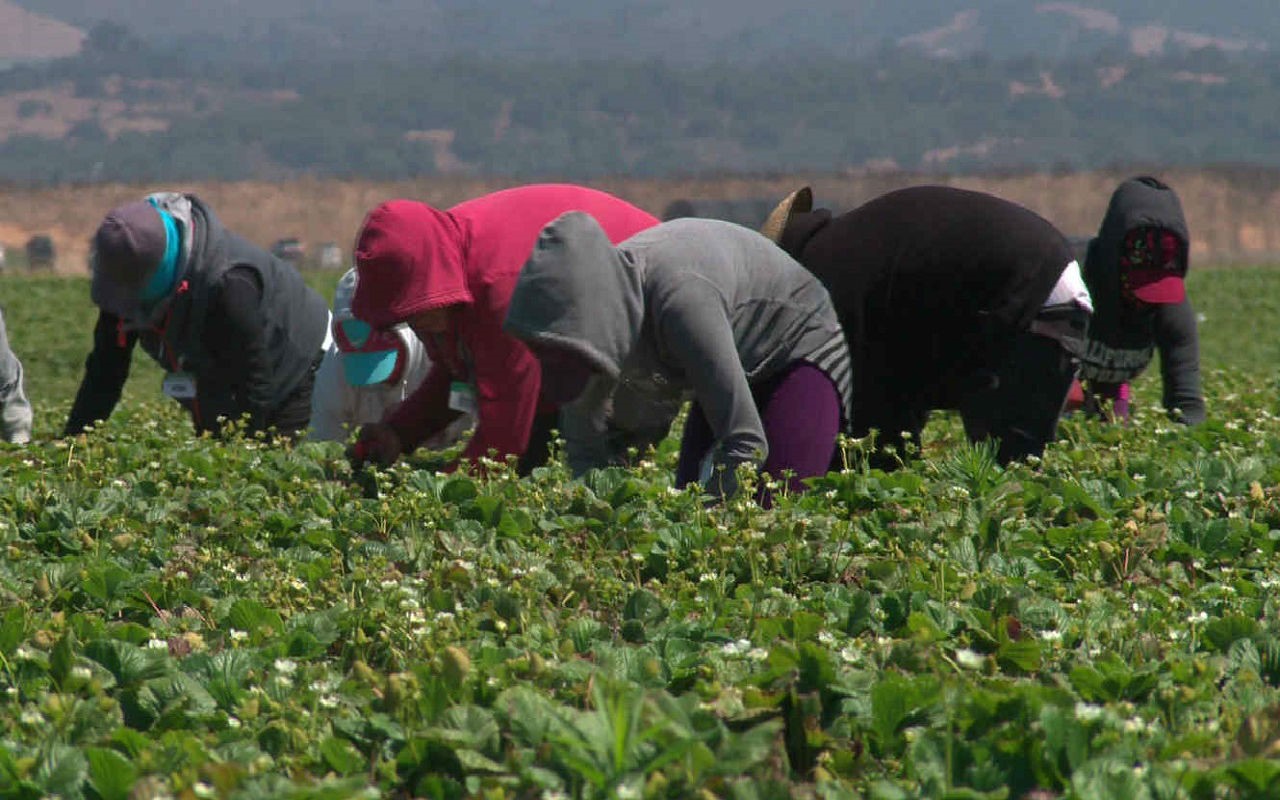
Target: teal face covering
[[163, 279], [368, 356], [367, 369]]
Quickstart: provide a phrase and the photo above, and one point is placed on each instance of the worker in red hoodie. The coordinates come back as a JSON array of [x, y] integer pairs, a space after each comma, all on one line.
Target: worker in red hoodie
[[449, 275]]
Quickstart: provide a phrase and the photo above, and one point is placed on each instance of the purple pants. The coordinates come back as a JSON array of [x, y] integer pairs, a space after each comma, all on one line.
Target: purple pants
[[800, 411], [1096, 395]]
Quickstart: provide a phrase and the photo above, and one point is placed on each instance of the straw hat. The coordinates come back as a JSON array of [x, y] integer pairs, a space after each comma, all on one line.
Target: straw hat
[[798, 202]]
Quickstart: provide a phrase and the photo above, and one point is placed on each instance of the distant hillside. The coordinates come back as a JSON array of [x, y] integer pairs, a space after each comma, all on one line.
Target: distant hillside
[[27, 36], [121, 112], [129, 108], [677, 30]]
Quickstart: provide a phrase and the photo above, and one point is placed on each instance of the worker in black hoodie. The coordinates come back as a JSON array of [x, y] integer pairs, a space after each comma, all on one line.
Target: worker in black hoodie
[[950, 299], [1135, 269], [237, 330]]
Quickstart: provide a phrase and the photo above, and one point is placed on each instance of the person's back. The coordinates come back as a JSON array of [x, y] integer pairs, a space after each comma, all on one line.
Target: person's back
[[502, 227], [934, 285], [776, 307], [928, 279]]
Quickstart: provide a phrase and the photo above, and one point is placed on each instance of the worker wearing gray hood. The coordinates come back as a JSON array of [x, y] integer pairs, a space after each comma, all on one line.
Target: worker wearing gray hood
[[15, 409], [692, 306], [1136, 269]]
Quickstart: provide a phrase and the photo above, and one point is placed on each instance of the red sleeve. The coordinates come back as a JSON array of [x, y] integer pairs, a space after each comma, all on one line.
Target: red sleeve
[[508, 383], [1075, 397], [424, 412]]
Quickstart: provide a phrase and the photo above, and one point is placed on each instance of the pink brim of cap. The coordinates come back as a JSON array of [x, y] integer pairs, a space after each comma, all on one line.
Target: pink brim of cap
[[1157, 286]]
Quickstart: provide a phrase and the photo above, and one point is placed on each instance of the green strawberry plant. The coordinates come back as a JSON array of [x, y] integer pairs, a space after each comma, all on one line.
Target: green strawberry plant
[[190, 617]]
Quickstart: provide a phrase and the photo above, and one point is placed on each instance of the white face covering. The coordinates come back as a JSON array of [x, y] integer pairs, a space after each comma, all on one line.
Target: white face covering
[[1070, 289], [1064, 317]]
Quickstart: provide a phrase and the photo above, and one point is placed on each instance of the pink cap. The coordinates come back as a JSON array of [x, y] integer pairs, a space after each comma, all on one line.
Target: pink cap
[[1157, 286]]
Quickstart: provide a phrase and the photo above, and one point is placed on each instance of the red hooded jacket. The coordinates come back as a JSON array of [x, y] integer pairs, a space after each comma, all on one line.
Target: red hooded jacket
[[411, 258]]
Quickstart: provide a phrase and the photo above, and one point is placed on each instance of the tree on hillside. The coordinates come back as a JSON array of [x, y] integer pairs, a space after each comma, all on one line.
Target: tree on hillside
[[109, 38]]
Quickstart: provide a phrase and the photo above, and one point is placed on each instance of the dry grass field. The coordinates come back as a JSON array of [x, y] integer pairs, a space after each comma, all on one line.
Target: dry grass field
[[1230, 211]]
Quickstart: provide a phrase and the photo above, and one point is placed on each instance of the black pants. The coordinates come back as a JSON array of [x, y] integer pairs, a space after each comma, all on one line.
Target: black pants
[[1021, 407], [293, 415], [1016, 400]]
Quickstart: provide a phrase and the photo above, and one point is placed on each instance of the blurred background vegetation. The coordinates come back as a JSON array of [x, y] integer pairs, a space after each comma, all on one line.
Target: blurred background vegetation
[[125, 108]]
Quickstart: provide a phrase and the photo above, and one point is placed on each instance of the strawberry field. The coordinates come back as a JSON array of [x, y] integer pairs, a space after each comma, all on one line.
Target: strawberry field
[[194, 618]]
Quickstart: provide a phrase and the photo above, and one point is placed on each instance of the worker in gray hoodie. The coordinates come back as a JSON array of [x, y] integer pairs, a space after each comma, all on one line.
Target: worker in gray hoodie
[[691, 307], [15, 410], [1136, 269]]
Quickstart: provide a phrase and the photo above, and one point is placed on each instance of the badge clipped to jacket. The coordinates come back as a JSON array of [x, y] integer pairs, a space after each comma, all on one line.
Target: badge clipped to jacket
[[462, 397], [179, 385]]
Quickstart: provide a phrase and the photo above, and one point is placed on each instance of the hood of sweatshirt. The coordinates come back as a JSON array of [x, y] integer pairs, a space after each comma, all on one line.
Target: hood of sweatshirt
[[577, 291], [1143, 202], [409, 258]]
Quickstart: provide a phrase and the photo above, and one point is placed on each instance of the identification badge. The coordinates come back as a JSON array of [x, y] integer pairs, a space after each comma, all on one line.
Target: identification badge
[[179, 385], [462, 397]]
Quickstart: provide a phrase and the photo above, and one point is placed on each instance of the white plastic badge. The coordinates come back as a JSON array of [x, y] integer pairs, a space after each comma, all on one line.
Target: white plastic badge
[[462, 397], [179, 385]]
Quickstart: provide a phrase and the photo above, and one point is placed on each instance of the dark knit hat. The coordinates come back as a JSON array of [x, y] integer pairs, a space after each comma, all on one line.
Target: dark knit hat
[[128, 247]]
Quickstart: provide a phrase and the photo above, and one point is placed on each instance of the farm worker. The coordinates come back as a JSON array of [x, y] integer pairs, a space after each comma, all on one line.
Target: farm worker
[[235, 329], [950, 299], [1135, 269], [448, 275], [15, 410], [695, 306], [366, 373]]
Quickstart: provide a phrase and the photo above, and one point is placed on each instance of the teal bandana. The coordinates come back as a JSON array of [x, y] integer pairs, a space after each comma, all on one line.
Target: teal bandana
[[162, 281]]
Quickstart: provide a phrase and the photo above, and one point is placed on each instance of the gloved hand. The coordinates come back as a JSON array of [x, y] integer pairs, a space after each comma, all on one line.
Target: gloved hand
[[378, 443]]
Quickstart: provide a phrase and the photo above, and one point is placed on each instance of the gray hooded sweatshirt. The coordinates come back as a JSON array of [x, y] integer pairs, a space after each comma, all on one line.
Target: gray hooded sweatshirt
[[690, 306], [15, 410]]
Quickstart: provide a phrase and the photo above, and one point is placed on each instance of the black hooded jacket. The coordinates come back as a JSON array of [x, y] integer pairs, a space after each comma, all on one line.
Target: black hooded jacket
[[1124, 334], [933, 286], [241, 322]]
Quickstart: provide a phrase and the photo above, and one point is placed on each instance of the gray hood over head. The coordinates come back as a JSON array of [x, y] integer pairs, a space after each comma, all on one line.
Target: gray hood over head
[[577, 291]]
